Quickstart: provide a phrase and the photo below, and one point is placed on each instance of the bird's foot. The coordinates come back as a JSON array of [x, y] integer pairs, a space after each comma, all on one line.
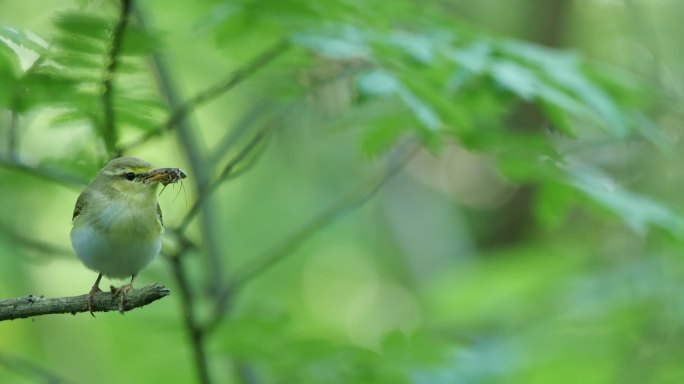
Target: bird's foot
[[121, 291], [89, 302]]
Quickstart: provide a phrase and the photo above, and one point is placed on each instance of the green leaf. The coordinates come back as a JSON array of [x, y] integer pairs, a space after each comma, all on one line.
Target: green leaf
[[24, 39], [383, 83], [638, 212], [516, 78], [421, 48], [68, 117], [139, 41], [80, 45], [39, 88], [349, 44], [10, 70], [143, 114], [563, 70], [383, 134], [88, 25], [378, 83], [554, 202], [423, 111], [474, 57]]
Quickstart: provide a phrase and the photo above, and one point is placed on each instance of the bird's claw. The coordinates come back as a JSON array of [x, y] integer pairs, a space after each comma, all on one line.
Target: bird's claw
[[121, 291], [89, 302]]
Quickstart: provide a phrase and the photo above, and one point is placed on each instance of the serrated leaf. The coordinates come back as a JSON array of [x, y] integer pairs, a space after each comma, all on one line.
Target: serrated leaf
[[383, 83], [88, 25], [43, 88], [378, 82], [351, 46], [131, 118], [594, 97], [561, 70], [423, 112], [24, 39], [419, 47], [516, 78], [71, 61], [638, 212], [80, 45], [474, 57]]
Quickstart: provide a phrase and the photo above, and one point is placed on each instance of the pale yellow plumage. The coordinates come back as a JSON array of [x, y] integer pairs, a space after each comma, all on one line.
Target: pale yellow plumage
[[117, 222]]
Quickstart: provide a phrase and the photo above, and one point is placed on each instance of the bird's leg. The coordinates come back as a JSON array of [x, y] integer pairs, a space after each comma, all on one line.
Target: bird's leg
[[95, 289], [123, 291]]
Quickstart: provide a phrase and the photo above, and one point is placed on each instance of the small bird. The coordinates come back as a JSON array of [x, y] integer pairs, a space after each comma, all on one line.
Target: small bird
[[117, 222]]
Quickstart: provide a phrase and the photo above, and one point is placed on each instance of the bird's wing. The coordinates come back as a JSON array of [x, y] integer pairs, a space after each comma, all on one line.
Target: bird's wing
[[80, 205], [161, 220]]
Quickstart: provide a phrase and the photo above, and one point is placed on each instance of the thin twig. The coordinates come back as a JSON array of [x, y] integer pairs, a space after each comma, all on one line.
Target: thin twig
[[257, 114], [109, 134], [343, 206], [195, 333], [225, 173], [230, 82], [193, 151], [181, 111], [44, 173], [13, 139], [32, 371], [31, 306]]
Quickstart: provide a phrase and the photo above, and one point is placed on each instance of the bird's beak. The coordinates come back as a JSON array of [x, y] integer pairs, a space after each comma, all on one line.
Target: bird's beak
[[165, 175]]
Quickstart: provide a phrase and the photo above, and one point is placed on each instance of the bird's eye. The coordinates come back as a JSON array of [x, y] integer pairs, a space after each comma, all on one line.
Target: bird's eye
[[129, 176]]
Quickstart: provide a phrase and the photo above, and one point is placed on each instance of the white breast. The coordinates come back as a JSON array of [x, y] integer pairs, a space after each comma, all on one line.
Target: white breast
[[111, 256], [117, 245]]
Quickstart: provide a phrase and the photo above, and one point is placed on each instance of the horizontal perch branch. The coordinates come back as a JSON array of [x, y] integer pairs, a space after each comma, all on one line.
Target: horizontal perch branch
[[30, 306]]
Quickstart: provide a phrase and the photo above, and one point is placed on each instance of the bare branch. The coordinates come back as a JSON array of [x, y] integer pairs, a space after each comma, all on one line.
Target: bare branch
[[13, 139], [279, 252], [228, 83], [181, 111], [195, 332], [109, 133], [31, 306], [225, 174], [193, 151]]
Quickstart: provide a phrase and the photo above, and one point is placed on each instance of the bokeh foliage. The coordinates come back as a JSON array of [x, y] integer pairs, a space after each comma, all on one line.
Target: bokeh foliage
[[531, 237]]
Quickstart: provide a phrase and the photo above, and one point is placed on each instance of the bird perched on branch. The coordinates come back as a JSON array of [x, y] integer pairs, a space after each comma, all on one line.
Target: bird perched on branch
[[117, 222]]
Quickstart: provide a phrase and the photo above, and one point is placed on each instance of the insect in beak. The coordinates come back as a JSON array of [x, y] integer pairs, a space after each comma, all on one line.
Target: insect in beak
[[165, 176]]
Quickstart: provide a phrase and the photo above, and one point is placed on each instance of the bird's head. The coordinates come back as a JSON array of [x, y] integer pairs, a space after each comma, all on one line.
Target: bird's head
[[132, 176]]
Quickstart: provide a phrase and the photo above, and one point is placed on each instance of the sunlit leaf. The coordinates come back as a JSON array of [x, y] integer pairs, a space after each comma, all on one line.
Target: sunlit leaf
[[516, 78], [351, 45], [639, 212], [378, 83], [24, 39]]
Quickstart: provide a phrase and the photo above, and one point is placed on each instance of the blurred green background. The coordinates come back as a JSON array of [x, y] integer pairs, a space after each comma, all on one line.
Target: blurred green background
[[441, 192]]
